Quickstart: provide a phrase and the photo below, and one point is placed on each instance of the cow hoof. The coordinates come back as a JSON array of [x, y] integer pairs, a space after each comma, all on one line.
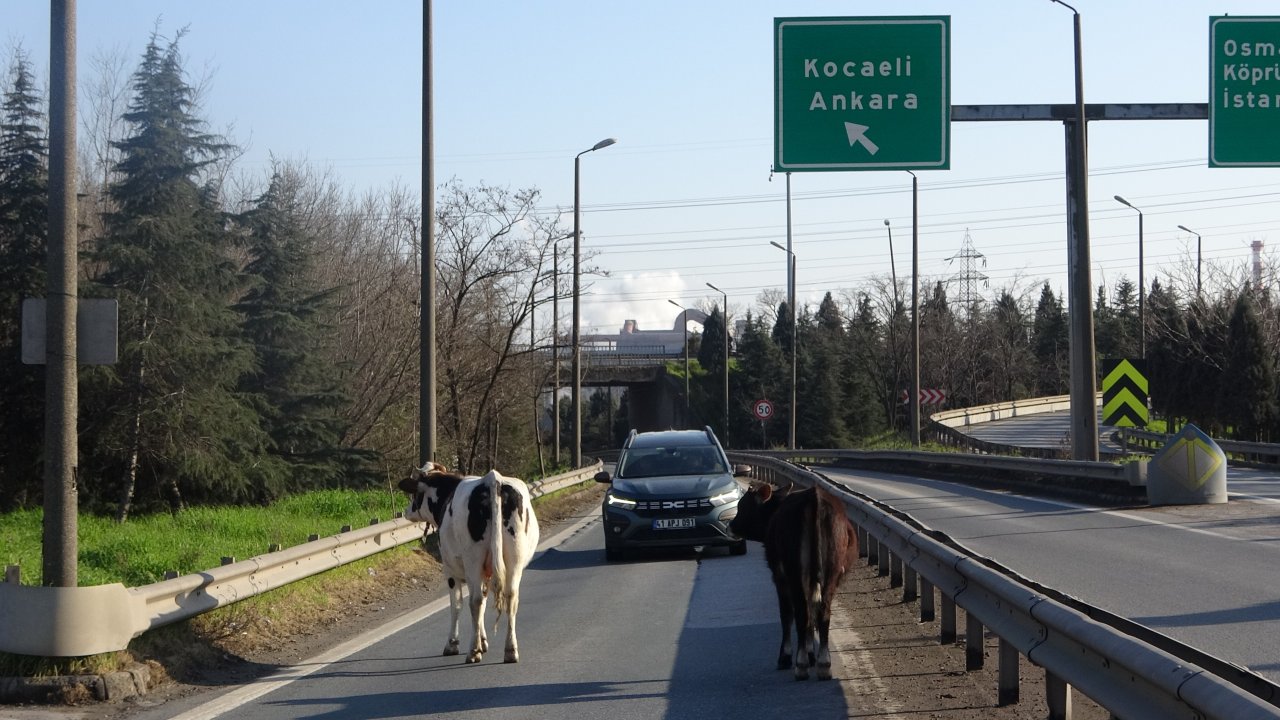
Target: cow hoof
[[824, 672], [784, 662], [450, 649], [802, 673], [512, 656], [484, 645], [473, 658]]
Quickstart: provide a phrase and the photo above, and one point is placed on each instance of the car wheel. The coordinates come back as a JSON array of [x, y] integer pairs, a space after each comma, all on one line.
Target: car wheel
[[612, 554], [738, 548]]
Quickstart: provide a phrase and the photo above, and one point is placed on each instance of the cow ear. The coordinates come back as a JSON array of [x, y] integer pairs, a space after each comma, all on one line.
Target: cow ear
[[765, 492], [409, 485]]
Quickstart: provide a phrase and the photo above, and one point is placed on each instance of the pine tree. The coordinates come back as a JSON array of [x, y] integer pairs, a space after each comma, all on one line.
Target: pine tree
[[24, 222], [1247, 394], [1050, 345], [867, 412], [1167, 356], [762, 376], [711, 358], [820, 423], [169, 422], [295, 391]]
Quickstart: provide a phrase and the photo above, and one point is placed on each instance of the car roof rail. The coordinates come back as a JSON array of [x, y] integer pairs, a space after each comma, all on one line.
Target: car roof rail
[[711, 434], [630, 436]]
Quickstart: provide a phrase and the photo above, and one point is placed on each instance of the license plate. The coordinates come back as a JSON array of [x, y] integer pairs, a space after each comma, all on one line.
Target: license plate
[[675, 523]]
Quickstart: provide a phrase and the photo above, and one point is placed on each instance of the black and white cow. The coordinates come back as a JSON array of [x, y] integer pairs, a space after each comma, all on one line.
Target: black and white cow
[[488, 534]]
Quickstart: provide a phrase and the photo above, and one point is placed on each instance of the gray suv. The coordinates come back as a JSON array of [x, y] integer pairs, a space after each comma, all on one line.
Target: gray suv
[[673, 488]]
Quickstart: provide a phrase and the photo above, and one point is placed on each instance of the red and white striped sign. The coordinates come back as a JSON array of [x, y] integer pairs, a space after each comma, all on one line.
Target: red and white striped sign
[[928, 396]]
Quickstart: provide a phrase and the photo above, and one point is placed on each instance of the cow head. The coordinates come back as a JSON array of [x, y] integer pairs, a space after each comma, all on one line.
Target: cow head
[[430, 488], [755, 509]]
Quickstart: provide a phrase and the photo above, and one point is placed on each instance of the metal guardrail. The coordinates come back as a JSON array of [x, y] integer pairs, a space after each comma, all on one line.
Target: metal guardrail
[[78, 621], [1238, 450], [1128, 676]]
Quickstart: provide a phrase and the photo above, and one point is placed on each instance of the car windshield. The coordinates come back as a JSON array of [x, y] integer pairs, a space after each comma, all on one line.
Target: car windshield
[[658, 461]]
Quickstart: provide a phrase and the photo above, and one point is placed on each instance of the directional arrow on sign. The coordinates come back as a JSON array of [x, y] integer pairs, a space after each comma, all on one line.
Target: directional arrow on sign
[[858, 134]]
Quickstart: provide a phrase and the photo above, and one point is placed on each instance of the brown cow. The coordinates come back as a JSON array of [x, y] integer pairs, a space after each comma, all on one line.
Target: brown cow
[[809, 543]]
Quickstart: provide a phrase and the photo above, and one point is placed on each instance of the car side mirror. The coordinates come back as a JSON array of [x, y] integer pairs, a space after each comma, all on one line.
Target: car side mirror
[[742, 471], [603, 477]]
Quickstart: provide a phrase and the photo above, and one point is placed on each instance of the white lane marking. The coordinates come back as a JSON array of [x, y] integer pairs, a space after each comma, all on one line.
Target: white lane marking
[[237, 698], [1069, 505]]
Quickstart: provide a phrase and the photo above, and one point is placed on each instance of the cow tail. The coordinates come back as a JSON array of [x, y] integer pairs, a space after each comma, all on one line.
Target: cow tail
[[822, 549], [498, 584]]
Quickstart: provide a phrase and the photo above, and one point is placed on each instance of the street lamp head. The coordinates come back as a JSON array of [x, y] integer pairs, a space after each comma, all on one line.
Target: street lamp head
[[673, 302], [1124, 202], [1193, 232], [886, 222], [775, 244], [713, 287], [604, 143]]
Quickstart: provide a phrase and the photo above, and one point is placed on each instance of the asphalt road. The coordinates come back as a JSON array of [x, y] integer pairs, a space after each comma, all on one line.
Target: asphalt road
[[673, 636], [1203, 574]]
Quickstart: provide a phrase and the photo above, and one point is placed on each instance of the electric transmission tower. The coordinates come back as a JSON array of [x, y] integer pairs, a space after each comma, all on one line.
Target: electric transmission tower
[[969, 275]]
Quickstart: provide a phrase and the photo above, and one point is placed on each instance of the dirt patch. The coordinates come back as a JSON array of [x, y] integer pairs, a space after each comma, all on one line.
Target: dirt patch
[[894, 667]]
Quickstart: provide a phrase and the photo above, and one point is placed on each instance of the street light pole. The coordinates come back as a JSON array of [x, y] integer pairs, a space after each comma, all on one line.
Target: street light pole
[[684, 322], [915, 310], [795, 332], [1193, 232], [577, 293], [893, 270], [1084, 409], [725, 317], [555, 349], [1142, 317]]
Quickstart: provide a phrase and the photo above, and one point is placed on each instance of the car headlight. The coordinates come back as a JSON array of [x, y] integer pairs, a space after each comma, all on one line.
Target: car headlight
[[620, 502], [726, 497]]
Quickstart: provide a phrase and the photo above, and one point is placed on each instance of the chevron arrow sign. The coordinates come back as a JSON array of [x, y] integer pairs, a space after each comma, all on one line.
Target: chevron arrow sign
[[1124, 393], [928, 396]]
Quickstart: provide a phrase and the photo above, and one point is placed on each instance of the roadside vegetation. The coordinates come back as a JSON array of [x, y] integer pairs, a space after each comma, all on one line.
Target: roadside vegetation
[[262, 622]]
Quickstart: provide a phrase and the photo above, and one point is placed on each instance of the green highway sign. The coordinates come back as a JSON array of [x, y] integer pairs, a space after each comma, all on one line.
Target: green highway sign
[[1244, 91], [862, 93]]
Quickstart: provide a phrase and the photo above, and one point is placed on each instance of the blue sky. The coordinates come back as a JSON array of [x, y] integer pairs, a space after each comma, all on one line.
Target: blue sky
[[685, 197]]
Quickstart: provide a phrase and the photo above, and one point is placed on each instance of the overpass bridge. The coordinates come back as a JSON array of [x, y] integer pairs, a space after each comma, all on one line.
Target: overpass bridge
[[635, 359]]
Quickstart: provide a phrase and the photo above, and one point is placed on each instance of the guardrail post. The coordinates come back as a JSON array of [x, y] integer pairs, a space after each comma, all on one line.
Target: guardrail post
[[13, 574], [926, 601], [973, 643], [873, 550], [947, 635], [862, 541], [882, 561], [909, 584], [895, 571], [1057, 695], [1008, 674]]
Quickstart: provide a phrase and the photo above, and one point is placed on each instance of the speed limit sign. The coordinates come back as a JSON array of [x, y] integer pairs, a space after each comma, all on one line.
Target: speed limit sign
[[763, 409]]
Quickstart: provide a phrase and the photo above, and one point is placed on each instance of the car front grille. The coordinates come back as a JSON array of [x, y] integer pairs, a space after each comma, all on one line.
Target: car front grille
[[669, 508]]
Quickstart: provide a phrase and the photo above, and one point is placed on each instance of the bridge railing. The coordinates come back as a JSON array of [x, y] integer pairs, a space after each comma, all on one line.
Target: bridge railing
[[77, 621], [1130, 670]]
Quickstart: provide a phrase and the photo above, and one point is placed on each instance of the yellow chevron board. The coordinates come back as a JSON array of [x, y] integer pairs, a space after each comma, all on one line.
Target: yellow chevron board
[[1124, 392]]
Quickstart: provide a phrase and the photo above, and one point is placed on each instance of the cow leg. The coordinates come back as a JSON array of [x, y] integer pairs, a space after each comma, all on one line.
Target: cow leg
[[823, 622], [785, 615], [478, 640], [455, 609], [512, 593], [804, 638]]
